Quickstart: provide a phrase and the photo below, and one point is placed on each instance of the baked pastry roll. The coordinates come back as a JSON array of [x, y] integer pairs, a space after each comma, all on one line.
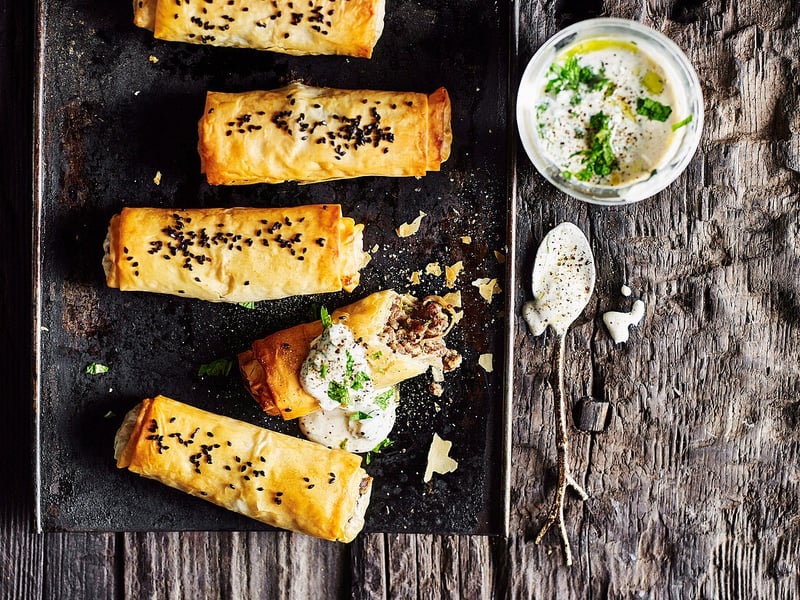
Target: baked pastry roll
[[349, 27], [274, 478], [402, 337], [309, 134], [234, 254]]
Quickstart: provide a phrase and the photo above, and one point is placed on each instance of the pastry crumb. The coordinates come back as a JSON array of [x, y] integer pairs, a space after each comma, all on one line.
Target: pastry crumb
[[414, 277], [466, 239], [433, 269], [152, 59], [500, 257], [439, 460], [451, 273], [487, 362], [408, 229], [436, 389], [487, 288], [157, 178]]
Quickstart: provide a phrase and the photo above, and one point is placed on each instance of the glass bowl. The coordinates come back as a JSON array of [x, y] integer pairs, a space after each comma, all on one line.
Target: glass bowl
[[646, 43]]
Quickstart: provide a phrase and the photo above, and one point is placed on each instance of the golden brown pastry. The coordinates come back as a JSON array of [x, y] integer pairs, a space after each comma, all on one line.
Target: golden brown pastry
[[308, 134], [274, 478], [349, 27], [402, 337], [234, 254]]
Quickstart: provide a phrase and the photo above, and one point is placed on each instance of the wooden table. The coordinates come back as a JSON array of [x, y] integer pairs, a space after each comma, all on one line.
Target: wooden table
[[694, 486]]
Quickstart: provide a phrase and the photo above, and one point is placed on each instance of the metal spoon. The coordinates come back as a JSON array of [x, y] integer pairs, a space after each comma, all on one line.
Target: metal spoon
[[563, 280]]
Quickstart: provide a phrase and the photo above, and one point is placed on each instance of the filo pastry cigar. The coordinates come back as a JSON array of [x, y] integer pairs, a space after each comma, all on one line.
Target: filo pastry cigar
[[274, 478], [234, 254], [402, 337], [310, 134], [348, 27]]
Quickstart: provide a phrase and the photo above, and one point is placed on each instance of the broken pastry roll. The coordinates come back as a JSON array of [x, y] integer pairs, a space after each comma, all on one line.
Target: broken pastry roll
[[274, 478], [348, 27], [309, 134], [234, 254], [401, 336]]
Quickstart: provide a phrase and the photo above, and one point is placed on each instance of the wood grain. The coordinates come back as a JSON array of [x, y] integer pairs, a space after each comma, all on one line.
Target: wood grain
[[694, 485]]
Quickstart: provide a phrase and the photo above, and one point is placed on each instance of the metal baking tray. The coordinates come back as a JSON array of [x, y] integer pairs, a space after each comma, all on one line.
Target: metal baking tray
[[114, 107]]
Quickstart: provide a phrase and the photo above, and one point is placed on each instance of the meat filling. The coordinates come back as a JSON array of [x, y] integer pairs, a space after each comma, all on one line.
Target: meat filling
[[419, 328]]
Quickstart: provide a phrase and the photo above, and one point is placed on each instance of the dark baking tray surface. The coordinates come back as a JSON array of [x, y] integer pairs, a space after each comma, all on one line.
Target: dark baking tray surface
[[114, 108]]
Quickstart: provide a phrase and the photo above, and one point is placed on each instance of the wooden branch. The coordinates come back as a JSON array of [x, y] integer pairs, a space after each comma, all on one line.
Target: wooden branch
[[565, 479]]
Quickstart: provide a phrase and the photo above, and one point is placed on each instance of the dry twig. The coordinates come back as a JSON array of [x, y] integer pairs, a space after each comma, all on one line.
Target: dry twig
[[565, 479]]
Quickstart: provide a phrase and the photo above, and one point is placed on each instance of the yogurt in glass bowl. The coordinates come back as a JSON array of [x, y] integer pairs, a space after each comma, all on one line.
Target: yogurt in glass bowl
[[610, 111]]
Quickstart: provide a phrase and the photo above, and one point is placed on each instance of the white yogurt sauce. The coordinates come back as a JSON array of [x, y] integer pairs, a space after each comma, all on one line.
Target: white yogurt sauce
[[563, 280], [625, 291], [354, 415], [623, 77], [352, 430], [336, 371], [618, 323]]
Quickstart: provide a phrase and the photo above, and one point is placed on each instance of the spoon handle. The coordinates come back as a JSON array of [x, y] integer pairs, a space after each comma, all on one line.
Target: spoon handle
[[565, 479]]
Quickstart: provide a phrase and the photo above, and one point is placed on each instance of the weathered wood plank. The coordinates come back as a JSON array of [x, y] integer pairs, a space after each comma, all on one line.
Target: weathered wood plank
[[80, 565], [694, 486], [232, 565]]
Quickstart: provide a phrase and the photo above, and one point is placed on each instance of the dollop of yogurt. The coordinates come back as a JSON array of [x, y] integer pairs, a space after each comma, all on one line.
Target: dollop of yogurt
[[354, 415], [353, 430], [336, 371], [618, 323], [563, 280]]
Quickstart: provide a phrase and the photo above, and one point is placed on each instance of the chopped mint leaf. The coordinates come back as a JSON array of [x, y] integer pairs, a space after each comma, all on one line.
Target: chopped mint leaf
[[338, 393], [376, 355], [359, 416], [382, 445], [382, 400], [219, 367], [682, 123], [348, 370], [598, 158], [377, 449], [250, 305], [359, 379], [96, 369], [323, 370], [326, 319], [652, 109], [572, 76]]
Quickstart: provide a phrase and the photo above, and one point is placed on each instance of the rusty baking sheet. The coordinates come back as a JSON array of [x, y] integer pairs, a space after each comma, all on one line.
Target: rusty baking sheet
[[115, 108]]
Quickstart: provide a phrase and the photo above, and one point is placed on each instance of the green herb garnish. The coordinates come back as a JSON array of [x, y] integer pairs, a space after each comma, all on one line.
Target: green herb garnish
[[376, 355], [377, 449], [348, 370], [96, 369], [110, 415], [323, 370], [382, 400], [219, 367], [652, 109], [680, 124], [325, 317], [250, 305], [338, 392], [598, 158], [358, 380], [572, 76], [359, 416]]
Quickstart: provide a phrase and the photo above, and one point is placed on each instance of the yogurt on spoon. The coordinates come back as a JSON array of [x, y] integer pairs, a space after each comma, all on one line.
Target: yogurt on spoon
[[563, 280]]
